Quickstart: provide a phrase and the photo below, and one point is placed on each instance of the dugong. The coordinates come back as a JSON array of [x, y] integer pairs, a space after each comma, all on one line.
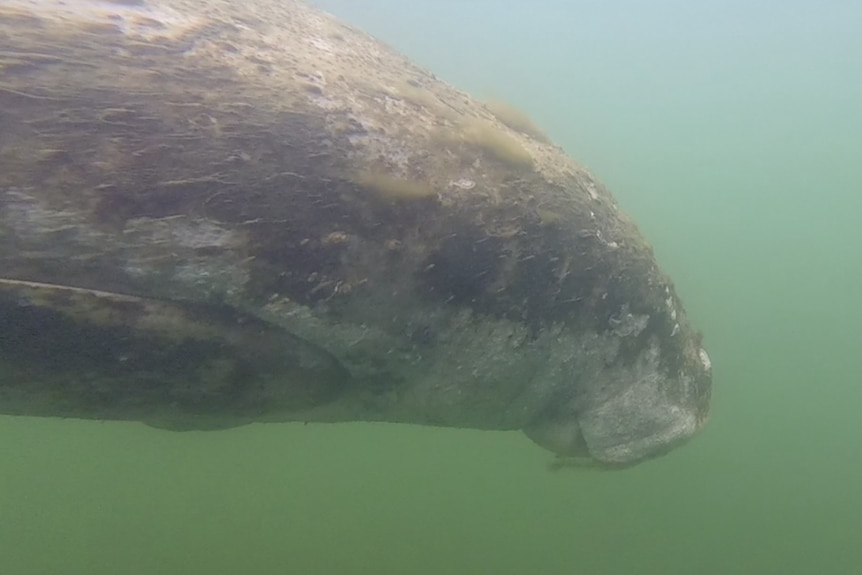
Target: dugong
[[216, 212]]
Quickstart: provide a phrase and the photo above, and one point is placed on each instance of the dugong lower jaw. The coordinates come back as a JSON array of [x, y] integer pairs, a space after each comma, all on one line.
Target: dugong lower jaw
[[628, 415], [624, 437]]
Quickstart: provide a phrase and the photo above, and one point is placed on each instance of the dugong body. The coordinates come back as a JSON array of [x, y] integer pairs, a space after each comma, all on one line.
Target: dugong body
[[217, 212]]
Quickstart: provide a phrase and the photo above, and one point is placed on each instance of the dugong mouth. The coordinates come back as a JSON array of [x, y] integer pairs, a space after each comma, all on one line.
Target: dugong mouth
[[612, 448], [646, 416]]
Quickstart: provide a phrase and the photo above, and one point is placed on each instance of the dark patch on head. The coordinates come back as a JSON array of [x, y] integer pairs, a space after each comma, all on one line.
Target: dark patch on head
[[533, 285], [552, 280], [463, 267], [537, 275], [323, 230], [422, 335], [115, 206], [295, 263]]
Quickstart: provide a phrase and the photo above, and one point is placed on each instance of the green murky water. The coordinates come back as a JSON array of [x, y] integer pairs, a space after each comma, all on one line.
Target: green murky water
[[734, 136]]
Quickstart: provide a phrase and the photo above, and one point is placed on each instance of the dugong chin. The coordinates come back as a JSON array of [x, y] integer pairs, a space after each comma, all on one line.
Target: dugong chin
[[216, 212]]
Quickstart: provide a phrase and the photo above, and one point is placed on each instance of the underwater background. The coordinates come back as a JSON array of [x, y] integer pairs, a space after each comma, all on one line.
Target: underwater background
[[732, 132]]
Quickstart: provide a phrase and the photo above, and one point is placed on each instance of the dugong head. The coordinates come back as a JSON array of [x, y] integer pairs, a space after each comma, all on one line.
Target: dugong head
[[643, 388]]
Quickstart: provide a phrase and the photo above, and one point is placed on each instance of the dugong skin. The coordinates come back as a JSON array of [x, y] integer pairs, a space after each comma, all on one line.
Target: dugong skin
[[232, 164]]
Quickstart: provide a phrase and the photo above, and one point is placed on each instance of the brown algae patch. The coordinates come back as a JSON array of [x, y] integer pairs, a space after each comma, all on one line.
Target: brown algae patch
[[516, 119], [497, 143], [391, 189], [549, 217], [416, 95]]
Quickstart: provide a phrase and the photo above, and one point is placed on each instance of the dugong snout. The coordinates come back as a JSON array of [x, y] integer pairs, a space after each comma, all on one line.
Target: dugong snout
[[626, 414]]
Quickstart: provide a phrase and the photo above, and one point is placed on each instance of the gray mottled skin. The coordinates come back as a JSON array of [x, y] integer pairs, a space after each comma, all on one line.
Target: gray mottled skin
[[427, 262]]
